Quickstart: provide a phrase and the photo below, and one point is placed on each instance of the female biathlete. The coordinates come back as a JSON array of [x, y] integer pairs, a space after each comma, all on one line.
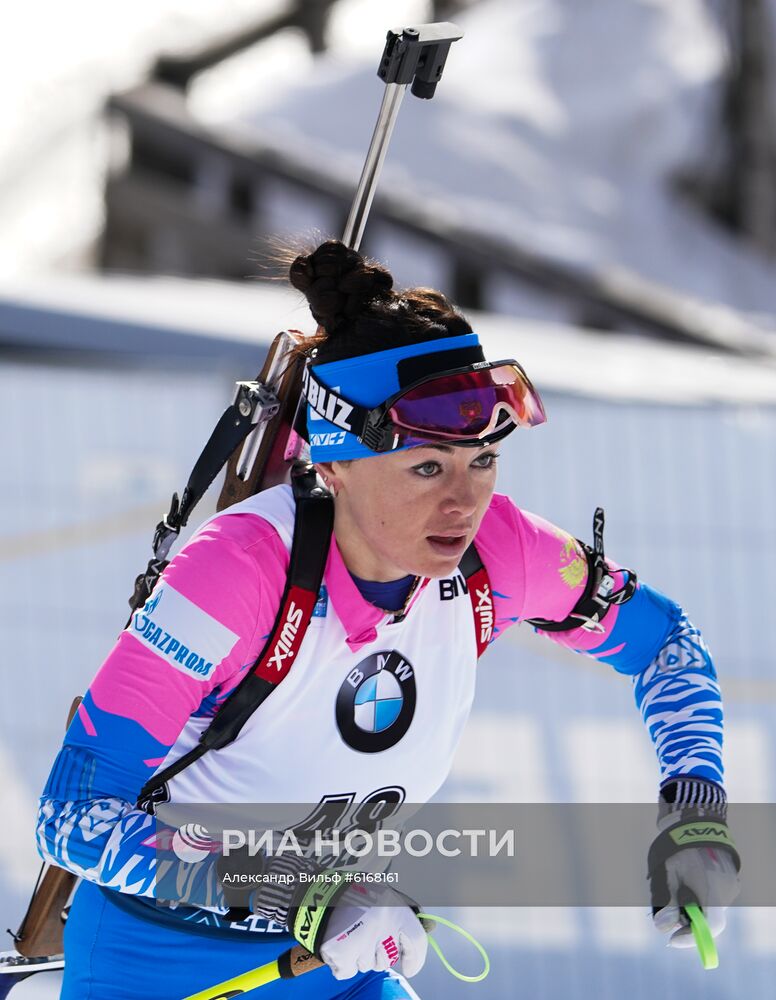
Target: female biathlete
[[413, 489]]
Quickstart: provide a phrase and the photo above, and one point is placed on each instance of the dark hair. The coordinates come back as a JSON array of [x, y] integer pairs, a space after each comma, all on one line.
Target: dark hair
[[359, 312]]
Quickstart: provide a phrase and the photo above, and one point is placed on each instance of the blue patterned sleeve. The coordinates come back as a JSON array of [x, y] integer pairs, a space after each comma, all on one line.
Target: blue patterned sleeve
[[674, 682], [680, 702], [87, 820]]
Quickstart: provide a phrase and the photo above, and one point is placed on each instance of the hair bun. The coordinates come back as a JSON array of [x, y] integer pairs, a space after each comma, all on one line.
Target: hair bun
[[338, 283]]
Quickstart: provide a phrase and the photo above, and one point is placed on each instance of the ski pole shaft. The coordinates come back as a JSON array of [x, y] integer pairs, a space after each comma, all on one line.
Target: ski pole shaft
[[291, 964]]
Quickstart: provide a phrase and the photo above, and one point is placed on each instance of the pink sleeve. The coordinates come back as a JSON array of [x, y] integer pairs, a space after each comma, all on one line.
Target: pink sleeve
[[202, 627], [536, 570]]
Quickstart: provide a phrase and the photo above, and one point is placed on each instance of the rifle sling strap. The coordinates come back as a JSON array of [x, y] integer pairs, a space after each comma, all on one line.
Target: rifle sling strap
[[309, 551]]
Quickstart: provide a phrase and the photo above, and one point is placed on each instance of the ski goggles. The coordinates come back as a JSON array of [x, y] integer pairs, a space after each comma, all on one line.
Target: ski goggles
[[473, 405]]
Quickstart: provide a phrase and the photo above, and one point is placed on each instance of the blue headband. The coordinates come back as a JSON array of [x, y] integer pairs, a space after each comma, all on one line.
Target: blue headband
[[368, 380]]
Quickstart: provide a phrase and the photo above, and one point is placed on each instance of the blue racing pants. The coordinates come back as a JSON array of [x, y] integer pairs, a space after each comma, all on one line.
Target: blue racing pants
[[112, 954]]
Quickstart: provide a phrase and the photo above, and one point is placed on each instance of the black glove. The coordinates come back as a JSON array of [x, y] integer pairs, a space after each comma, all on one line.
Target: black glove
[[693, 859]]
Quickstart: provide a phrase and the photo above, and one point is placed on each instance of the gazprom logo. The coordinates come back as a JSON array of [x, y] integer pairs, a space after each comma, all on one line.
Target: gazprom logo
[[180, 632], [152, 603], [167, 643]]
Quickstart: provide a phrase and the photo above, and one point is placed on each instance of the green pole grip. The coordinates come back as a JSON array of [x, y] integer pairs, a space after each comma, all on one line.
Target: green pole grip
[[703, 937]]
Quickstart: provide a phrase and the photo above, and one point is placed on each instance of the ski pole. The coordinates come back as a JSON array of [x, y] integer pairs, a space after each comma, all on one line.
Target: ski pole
[[298, 960], [290, 965]]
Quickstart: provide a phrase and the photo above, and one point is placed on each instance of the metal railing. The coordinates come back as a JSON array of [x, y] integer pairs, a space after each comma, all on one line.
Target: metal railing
[[191, 202]]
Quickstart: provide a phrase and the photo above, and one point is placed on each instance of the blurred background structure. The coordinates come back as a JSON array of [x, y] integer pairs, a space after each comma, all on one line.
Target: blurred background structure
[[595, 183]]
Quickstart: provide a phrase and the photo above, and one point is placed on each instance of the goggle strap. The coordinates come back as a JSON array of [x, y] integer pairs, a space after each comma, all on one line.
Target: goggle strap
[[421, 366]]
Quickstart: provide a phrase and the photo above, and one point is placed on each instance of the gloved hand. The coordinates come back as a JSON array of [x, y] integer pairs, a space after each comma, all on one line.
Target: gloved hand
[[352, 926], [363, 937], [692, 860], [361, 929]]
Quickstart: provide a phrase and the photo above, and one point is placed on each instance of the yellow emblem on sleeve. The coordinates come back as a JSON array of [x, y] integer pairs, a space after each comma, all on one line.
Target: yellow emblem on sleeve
[[573, 569]]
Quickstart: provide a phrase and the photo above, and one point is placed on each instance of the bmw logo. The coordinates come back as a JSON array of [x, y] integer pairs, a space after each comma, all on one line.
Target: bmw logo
[[376, 702]]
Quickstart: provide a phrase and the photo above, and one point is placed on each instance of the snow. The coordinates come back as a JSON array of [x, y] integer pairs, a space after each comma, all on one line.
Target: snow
[[558, 125], [60, 63], [231, 324]]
